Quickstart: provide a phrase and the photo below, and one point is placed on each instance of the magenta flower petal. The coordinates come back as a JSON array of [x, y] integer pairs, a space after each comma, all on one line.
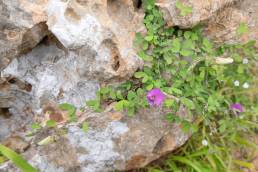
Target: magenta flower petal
[[237, 107], [155, 97]]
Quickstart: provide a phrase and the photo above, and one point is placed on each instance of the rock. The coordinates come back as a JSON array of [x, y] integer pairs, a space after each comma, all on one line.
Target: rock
[[22, 27], [39, 80], [110, 144], [16, 143], [202, 10], [90, 43], [223, 27], [103, 29]]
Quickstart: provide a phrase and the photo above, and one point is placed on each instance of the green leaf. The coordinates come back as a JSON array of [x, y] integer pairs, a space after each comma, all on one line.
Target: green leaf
[[35, 126], [112, 95], [168, 59], [145, 79], [186, 126], [176, 91], [207, 45], [242, 28], [240, 69], [149, 38], [139, 74], [187, 34], [176, 45], [119, 95], [51, 123], [188, 103], [149, 87], [186, 53], [105, 90], [18, 161], [94, 104], [145, 45], [91, 103], [119, 106], [168, 102], [188, 44], [194, 128], [131, 111], [138, 40], [131, 95], [85, 127], [70, 109], [145, 57], [170, 117]]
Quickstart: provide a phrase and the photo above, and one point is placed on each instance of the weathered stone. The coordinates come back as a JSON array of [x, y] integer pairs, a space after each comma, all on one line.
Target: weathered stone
[[222, 28], [202, 10], [41, 79], [104, 29], [110, 144], [16, 143], [22, 27], [92, 42]]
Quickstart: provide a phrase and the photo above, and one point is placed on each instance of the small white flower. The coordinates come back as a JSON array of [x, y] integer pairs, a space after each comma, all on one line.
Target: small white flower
[[245, 61], [236, 83], [245, 85], [204, 142]]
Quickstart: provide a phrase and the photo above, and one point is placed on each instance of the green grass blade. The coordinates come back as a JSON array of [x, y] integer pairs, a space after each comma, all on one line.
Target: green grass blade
[[199, 153], [17, 159], [188, 162], [172, 166], [244, 164]]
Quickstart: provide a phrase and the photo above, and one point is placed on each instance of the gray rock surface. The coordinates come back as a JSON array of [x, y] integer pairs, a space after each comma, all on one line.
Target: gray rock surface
[[223, 27], [114, 141], [22, 27], [202, 10], [51, 77], [56, 51]]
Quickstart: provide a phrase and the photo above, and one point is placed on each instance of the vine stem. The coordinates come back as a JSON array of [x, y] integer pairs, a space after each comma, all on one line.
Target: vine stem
[[172, 97]]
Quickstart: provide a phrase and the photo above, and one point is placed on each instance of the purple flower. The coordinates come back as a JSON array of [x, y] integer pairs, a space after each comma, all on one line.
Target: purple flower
[[155, 97], [237, 107]]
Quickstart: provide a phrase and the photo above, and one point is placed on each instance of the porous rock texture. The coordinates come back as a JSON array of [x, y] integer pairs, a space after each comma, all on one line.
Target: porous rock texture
[[22, 26], [223, 26], [88, 42], [114, 141], [221, 18], [202, 10], [56, 51]]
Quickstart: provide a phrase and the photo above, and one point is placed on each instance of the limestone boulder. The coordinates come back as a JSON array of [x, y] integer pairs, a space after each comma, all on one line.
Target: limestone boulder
[[223, 27], [22, 27], [103, 28], [113, 141], [199, 11], [45, 76], [64, 50]]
